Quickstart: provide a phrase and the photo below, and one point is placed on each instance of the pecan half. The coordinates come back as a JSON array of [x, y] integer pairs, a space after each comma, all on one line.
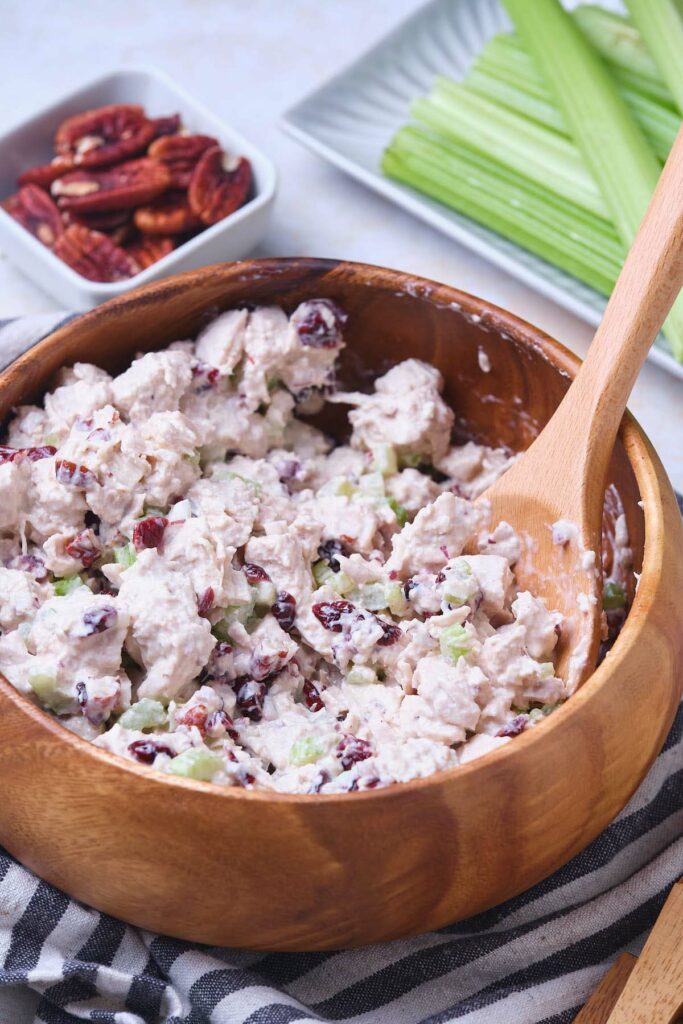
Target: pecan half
[[108, 135], [108, 220], [220, 184], [94, 256], [149, 249], [181, 154], [170, 215], [166, 125], [35, 211], [118, 188], [45, 174]]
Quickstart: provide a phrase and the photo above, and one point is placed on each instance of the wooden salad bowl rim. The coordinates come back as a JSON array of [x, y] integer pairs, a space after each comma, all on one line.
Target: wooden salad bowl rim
[[661, 582]]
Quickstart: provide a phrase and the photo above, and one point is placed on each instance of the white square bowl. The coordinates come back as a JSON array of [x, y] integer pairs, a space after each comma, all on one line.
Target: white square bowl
[[30, 144]]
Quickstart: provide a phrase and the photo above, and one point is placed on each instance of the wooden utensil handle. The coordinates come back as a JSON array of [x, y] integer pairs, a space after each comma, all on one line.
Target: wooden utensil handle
[[649, 282], [653, 993]]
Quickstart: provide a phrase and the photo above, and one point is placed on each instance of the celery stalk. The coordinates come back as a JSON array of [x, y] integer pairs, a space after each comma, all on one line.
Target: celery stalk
[[519, 87], [661, 26], [553, 228], [454, 110], [614, 148], [620, 44]]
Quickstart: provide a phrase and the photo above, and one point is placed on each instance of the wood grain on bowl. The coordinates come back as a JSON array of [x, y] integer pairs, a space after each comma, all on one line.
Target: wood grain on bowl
[[270, 871]]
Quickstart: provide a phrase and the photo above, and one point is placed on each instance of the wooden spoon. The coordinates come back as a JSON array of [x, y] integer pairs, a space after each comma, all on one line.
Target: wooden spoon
[[562, 475]]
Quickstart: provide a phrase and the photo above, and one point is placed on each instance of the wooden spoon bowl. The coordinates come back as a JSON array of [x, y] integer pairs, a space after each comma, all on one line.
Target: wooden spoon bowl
[[268, 871]]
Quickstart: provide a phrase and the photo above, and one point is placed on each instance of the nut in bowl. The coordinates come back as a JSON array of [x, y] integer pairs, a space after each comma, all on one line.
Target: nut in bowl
[[325, 869], [126, 180]]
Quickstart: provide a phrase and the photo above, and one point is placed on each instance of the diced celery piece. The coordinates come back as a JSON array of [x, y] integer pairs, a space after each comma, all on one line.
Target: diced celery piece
[[613, 596], [221, 630], [125, 555], [371, 485], [196, 763], [547, 670], [67, 585], [384, 459], [398, 603], [53, 439], [454, 642], [410, 460], [361, 675], [193, 457], [461, 585], [44, 685], [264, 594], [145, 714], [345, 488], [305, 751], [374, 596], [322, 573], [398, 510], [245, 480], [338, 581]]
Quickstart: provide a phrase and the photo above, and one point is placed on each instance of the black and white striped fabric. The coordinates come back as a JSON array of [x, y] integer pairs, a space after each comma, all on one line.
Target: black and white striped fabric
[[534, 959]]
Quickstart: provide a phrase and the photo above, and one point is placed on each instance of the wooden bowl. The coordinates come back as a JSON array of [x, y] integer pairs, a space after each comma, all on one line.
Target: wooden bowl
[[287, 872]]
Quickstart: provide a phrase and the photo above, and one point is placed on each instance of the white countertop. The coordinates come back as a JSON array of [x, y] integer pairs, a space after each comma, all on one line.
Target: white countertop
[[249, 60]]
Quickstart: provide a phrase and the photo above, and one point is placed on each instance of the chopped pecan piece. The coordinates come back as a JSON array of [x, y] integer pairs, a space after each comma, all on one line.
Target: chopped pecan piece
[[170, 215], [220, 184], [45, 174], [118, 188], [181, 154], [108, 135], [35, 211], [149, 249], [165, 125], [94, 256]]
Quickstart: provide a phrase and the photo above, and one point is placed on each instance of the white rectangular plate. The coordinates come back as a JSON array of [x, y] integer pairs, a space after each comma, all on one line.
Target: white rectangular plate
[[351, 118]]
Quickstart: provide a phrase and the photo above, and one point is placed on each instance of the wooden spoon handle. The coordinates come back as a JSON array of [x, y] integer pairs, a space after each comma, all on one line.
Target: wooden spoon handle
[[646, 288], [653, 993], [582, 433]]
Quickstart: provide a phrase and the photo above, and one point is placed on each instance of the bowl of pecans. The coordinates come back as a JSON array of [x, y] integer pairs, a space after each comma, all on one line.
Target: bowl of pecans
[[124, 181]]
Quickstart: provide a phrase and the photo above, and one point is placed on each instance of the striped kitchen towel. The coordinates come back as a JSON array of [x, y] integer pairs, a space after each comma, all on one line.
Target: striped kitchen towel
[[534, 959]]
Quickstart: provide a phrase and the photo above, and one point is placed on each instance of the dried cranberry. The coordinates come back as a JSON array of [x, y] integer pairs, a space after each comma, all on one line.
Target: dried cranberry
[[7, 454], [149, 532], [146, 751], [321, 779], [371, 783], [515, 727], [284, 610], [328, 614], [245, 778], [84, 548], [408, 586], [221, 720], [76, 476], [319, 322], [329, 549], [265, 665], [440, 578], [205, 602], [311, 695], [250, 697], [392, 633], [97, 620], [351, 749], [206, 375], [31, 564], [255, 573]]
